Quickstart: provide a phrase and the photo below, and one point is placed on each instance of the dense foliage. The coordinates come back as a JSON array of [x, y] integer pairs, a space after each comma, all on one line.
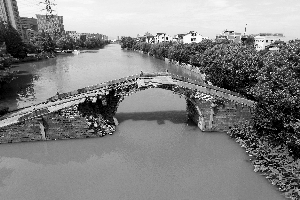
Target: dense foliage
[[127, 42], [13, 41]]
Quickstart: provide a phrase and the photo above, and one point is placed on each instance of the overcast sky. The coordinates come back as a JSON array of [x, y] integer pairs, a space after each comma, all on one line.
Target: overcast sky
[[208, 17]]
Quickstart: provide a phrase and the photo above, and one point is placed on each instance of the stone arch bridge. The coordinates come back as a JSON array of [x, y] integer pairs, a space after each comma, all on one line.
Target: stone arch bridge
[[89, 112]]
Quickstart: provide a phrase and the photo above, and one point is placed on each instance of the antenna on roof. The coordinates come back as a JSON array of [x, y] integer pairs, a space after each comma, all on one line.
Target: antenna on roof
[[245, 29]]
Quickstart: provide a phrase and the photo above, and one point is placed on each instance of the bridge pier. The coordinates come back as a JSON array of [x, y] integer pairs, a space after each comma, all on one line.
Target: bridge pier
[[216, 115]]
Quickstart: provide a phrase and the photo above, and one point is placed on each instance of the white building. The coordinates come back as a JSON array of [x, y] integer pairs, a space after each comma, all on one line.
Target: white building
[[162, 37], [265, 39], [192, 37]]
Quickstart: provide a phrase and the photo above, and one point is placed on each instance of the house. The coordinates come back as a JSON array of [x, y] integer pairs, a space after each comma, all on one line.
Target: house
[[266, 39], [162, 37], [192, 37], [150, 39], [178, 38], [230, 35]]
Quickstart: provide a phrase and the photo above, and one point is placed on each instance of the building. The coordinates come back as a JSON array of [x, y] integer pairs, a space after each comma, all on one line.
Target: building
[[9, 13], [150, 39], [29, 23], [162, 37], [74, 35], [53, 25], [192, 37], [84, 36], [265, 39], [29, 29], [230, 35], [3, 12], [178, 38], [31, 36]]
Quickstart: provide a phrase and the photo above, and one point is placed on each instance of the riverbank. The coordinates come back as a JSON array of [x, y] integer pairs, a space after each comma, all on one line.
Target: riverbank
[[270, 160], [36, 57]]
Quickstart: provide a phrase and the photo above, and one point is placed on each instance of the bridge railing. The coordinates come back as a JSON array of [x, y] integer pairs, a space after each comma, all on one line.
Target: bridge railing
[[93, 87], [195, 82]]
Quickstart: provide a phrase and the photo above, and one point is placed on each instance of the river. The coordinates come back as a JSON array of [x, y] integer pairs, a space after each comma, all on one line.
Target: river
[[154, 154]]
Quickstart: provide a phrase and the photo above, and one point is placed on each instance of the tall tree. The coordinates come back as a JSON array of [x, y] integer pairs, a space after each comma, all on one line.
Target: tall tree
[[13, 40]]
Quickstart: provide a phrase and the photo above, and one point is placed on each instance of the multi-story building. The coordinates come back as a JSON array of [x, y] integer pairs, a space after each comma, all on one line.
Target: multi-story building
[[178, 38], [230, 35], [3, 13], [29, 23], [265, 39], [31, 36], [162, 37], [74, 35], [192, 37], [51, 24], [150, 39], [9, 13], [84, 36]]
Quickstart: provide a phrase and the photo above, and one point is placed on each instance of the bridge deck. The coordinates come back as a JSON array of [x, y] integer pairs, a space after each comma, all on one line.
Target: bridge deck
[[75, 97]]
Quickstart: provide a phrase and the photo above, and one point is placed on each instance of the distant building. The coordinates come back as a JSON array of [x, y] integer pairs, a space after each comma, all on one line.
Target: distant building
[[73, 34], [141, 39], [29, 23], [192, 37], [31, 36], [84, 36], [53, 25], [9, 13], [265, 39], [150, 39], [178, 38], [230, 35], [162, 37]]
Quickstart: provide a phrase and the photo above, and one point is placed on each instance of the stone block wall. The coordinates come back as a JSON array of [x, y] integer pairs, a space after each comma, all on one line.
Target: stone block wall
[[217, 116]]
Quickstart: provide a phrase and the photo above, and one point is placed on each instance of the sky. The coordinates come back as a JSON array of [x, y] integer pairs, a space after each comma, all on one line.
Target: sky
[[208, 17]]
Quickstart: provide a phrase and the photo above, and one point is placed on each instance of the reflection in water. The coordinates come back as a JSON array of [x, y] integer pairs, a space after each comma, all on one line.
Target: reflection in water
[[154, 154]]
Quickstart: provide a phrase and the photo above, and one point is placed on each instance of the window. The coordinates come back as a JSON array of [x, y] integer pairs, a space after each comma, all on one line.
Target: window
[[267, 41], [167, 38]]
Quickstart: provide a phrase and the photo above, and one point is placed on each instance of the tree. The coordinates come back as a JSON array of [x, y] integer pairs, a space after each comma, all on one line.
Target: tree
[[47, 43], [66, 42], [278, 95], [13, 41], [250, 41], [127, 42], [231, 66]]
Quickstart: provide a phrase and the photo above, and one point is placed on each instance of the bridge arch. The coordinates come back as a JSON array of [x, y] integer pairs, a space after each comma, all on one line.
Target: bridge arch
[[92, 109]]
